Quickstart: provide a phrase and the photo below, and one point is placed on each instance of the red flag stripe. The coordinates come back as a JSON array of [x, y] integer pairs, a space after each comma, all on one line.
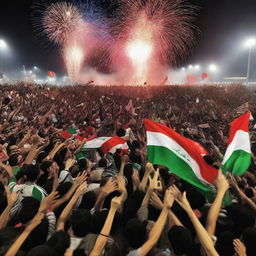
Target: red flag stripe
[[241, 123], [108, 145]]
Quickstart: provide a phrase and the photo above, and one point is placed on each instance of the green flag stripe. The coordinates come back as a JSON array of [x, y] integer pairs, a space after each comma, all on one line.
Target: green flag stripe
[[163, 156], [71, 130], [238, 162]]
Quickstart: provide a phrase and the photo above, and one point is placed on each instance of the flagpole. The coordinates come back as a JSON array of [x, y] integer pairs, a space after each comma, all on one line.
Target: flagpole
[[248, 67]]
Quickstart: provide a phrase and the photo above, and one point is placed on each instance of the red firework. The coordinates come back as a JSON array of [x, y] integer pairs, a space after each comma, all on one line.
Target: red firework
[[154, 33]]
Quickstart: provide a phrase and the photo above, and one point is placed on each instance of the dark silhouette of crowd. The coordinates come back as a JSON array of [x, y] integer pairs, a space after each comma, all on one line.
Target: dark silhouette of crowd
[[56, 198]]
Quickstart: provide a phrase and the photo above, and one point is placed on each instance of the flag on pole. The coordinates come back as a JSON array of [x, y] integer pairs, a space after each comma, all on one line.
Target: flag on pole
[[107, 144], [238, 154], [183, 158]]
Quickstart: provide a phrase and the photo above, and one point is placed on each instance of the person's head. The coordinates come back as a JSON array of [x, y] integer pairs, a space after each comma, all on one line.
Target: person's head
[[28, 210], [98, 221], [59, 242], [82, 164], [249, 238], [224, 244], [103, 162], [88, 201], [80, 221], [41, 250], [31, 172], [13, 160], [181, 240], [135, 232], [249, 192], [38, 235], [120, 132]]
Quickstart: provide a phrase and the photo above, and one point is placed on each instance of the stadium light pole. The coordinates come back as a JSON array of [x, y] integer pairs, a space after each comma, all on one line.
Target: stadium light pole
[[250, 43]]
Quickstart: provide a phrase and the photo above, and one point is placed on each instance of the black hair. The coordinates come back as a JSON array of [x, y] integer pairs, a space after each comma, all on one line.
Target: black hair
[[120, 132], [249, 192], [88, 201], [82, 164], [59, 242], [31, 172], [81, 220], [103, 162], [181, 240], [135, 232], [249, 238], [13, 160], [41, 250], [224, 244]]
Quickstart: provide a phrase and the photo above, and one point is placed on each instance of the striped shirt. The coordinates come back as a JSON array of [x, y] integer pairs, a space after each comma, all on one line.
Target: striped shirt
[[25, 190]]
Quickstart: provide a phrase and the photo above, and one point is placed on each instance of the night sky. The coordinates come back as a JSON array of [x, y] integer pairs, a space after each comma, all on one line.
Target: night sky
[[224, 25]]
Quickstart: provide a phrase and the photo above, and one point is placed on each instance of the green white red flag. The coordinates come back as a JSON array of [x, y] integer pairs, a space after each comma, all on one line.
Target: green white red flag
[[183, 158], [237, 158], [107, 144]]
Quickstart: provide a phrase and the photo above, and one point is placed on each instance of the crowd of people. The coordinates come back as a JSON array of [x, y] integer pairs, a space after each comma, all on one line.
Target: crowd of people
[[54, 203]]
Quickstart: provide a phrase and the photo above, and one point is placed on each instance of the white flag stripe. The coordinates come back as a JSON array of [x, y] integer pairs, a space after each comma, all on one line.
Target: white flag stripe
[[96, 143], [121, 146], [241, 141], [160, 139]]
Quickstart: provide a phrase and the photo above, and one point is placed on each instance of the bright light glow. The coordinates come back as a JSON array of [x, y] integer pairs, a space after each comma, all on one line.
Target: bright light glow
[[213, 68], [30, 71], [197, 67], [139, 50], [3, 44], [251, 42], [35, 68], [74, 56], [190, 66], [183, 69]]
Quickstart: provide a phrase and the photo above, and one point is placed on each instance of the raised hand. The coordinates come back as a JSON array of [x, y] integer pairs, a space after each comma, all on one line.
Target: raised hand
[[82, 189], [239, 248], [110, 187], [168, 198], [116, 202], [221, 182], [48, 201], [156, 201], [11, 196], [154, 183], [81, 178], [69, 163], [149, 168], [180, 198], [121, 183]]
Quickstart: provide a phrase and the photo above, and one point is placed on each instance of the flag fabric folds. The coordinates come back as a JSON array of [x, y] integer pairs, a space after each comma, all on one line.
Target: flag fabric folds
[[237, 158], [168, 148], [107, 144]]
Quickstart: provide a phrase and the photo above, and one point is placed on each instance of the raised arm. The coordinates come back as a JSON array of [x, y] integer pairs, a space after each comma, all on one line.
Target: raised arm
[[104, 234], [202, 234], [11, 199], [222, 186], [157, 229], [66, 212]]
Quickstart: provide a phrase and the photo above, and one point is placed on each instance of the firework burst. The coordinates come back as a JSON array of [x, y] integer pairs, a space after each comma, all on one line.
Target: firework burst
[[60, 20], [155, 32]]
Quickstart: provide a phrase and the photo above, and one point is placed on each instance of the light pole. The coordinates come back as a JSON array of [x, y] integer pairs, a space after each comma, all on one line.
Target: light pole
[[250, 43]]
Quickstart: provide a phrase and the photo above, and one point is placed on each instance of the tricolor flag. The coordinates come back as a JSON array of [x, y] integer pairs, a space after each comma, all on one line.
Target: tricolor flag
[[68, 133], [238, 154], [183, 158], [107, 144]]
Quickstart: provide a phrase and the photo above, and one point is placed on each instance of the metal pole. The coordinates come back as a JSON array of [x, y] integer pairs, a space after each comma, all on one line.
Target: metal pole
[[248, 67]]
